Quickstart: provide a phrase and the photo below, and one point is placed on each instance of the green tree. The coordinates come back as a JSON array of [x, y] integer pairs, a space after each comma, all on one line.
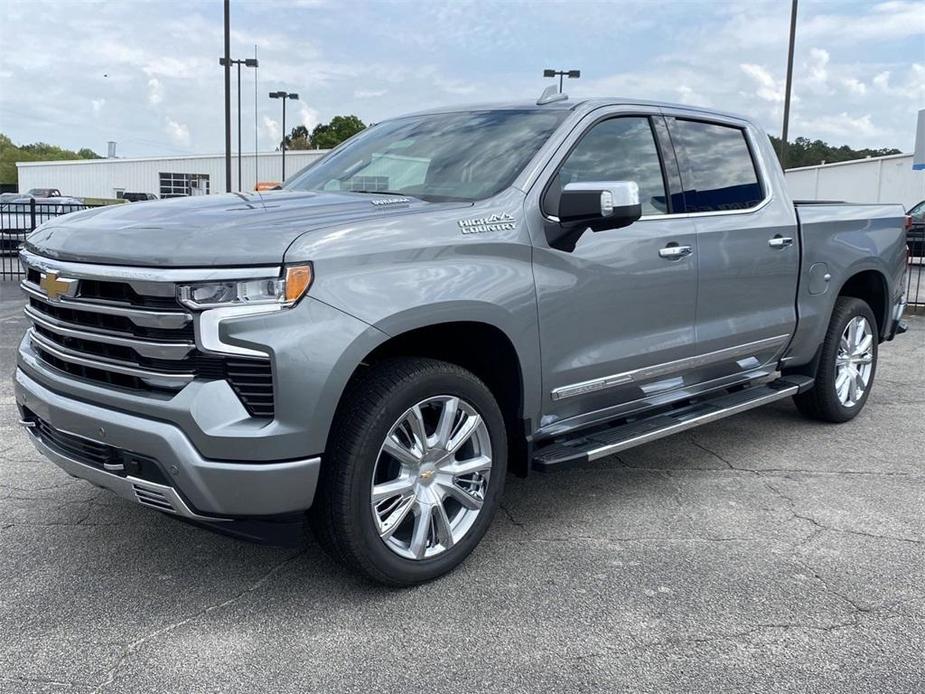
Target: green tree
[[325, 135], [299, 138], [38, 151], [329, 135], [806, 152]]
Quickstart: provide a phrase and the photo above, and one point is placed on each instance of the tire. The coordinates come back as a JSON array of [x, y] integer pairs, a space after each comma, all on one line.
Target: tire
[[826, 400], [382, 403]]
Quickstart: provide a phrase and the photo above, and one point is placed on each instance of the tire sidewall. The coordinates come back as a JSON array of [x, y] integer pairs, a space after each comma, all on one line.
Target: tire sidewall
[[449, 381], [846, 310]]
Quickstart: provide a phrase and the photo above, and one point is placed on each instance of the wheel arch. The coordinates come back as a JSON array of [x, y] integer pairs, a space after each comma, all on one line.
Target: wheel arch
[[480, 347], [870, 286]]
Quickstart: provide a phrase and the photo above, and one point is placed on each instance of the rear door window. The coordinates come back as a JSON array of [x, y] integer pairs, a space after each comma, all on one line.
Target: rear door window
[[718, 173]]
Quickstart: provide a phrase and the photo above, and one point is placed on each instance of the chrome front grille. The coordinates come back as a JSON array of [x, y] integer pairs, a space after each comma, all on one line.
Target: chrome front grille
[[134, 336]]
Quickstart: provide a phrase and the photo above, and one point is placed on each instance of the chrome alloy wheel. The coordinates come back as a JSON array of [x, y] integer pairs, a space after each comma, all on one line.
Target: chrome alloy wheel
[[854, 361], [431, 477]]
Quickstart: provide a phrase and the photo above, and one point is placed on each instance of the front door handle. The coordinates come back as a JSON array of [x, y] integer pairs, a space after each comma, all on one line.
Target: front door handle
[[675, 252], [780, 241]]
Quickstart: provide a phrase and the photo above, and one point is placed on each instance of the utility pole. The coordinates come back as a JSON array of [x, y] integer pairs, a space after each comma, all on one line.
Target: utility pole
[[782, 155], [227, 64], [571, 74], [284, 96]]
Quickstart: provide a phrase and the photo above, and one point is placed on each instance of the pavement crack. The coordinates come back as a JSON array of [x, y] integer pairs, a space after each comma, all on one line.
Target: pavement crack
[[711, 452], [822, 527], [510, 516], [133, 647], [858, 608]]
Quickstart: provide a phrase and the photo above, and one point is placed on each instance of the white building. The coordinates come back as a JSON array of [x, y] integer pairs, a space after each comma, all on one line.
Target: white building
[[164, 176], [877, 179]]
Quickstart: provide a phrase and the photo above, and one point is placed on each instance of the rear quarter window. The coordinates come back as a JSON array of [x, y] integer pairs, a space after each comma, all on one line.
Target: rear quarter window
[[720, 173]]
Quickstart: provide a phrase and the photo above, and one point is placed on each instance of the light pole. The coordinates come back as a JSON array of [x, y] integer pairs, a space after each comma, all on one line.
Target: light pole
[[227, 67], [571, 74], [284, 96], [248, 62]]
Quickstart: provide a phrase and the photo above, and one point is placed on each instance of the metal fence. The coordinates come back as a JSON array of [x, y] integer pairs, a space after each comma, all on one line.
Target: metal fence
[[18, 217], [915, 277]]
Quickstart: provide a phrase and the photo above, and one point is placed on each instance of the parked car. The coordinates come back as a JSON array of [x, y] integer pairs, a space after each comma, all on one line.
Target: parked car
[[44, 192], [138, 197], [447, 297], [915, 230]]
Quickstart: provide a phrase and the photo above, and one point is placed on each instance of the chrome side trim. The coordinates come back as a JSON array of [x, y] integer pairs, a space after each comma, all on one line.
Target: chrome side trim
[[132, 488], [127, 273], [706, 418], [141, 317], [631, 408], [104, 364], [713, 213], [648, 372], [146, 348]]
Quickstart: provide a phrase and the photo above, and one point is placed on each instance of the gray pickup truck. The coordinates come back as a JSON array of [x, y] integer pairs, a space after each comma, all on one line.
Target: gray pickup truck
[[445, 298]]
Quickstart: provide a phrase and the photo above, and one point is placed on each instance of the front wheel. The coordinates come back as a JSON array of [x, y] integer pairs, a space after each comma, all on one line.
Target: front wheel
[[416, 467], [847, 364]]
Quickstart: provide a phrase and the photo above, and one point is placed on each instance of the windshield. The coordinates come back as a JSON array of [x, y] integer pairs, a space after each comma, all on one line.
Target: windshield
[[449, 156]]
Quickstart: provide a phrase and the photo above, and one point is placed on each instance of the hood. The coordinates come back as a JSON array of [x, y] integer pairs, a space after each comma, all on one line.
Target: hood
[[215, 230]]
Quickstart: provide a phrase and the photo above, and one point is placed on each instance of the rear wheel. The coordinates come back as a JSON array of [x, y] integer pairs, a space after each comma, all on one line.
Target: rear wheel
[[847, 364], [415, 471]]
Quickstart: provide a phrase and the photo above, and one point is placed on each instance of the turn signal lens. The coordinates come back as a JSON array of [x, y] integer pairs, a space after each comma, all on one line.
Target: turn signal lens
[[298, 280]]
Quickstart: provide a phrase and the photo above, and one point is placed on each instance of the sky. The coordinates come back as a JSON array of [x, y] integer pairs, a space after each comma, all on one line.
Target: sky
[[146, 74]]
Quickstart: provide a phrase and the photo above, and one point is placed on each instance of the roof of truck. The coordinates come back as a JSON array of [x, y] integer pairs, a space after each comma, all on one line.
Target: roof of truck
[[568, 105]]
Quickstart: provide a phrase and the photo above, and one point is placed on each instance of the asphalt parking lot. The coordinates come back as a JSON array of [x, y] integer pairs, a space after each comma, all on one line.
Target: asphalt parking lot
[[760, 553]]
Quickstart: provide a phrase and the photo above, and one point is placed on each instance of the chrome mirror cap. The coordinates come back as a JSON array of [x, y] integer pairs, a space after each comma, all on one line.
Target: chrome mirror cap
[[614, 195]]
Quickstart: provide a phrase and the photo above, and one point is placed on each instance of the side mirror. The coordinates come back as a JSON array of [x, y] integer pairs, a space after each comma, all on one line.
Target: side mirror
[[599, 204]]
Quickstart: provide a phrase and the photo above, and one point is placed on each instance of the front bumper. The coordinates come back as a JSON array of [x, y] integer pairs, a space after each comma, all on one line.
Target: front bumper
[[189, 485]]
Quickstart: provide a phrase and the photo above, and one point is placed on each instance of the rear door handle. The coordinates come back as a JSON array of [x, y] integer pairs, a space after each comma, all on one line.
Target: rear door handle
[[675, 252], [780, 241]]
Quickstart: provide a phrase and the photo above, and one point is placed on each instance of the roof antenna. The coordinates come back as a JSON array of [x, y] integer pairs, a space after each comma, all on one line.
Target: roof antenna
[[550, 95]]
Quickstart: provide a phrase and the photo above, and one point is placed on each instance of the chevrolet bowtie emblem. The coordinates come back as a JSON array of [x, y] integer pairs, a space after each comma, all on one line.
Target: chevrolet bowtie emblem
[[55, 287]]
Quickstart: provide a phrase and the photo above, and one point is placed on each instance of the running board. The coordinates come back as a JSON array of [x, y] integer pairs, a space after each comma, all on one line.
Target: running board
[[583, 448]]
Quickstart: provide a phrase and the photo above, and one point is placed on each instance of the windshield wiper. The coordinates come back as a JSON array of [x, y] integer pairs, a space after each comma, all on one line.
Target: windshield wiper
[[379, 192]]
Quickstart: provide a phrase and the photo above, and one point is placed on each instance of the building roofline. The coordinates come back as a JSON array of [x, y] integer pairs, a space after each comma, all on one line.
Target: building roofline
[[850, 161], [129, 160]]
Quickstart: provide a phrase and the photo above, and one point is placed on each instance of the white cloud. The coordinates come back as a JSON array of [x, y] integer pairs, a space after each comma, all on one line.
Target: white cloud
[[308, 116], [97, 105], [768, 88], [155, 91], [686, 95], [887, 21], [854, 86], [841, 126], [178, 132], [882, 81], [816, 66], [271, 130], [368, 93]]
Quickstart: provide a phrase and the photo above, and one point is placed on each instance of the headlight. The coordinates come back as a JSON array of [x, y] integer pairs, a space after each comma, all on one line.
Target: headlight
[[283, 291]]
